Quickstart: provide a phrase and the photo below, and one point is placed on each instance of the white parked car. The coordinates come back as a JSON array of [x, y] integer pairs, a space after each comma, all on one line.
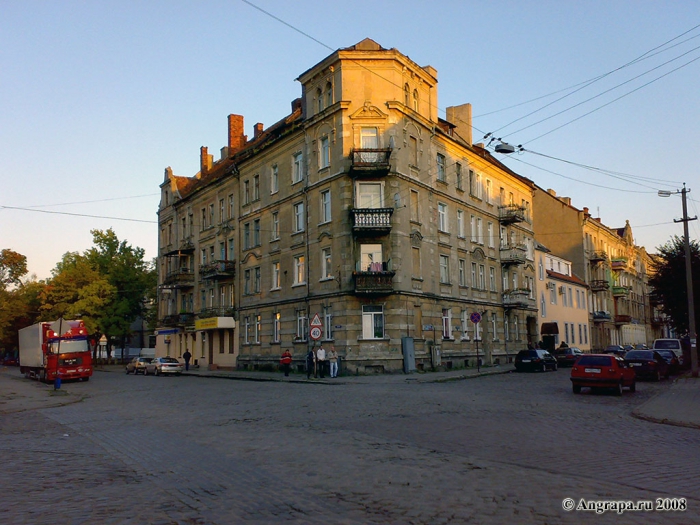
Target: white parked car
[[163, 365]]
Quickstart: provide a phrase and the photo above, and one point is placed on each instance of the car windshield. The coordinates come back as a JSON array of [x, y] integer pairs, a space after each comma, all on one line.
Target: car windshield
[[594, 360], [168, 360], [639, 354], [527, 353], [145, 359], [613, 348]]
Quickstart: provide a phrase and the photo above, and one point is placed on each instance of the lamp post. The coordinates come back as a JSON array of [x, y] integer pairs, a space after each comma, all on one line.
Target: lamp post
[[688, 278]]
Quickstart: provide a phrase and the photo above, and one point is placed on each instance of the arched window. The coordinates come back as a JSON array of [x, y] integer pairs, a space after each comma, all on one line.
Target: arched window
[[319, 100], [329, 94], [415, 100], [406, 95]]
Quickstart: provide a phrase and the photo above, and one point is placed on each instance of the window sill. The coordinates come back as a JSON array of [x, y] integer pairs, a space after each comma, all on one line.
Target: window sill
[[298, 285]]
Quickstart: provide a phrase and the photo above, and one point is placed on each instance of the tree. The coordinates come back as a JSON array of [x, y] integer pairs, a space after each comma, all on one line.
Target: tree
[[668, 281], [13, 266], [18, 305]]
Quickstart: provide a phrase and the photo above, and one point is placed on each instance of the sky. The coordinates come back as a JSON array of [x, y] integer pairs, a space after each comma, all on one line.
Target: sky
[[97, 98]]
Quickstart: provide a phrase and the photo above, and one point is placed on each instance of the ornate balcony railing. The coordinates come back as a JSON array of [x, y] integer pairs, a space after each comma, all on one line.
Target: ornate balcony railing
[[623, 319], [219, 311], [598, 256], [180, 278], [374, 283], [371, 220], [599, 285], [370, 162], [181, 319], [513, 254], [218, 270], [517, 299], [511, 213]]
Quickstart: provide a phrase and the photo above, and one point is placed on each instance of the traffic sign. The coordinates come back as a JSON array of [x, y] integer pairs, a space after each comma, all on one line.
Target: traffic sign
[[475, 318], [316, 321], [315, 333]]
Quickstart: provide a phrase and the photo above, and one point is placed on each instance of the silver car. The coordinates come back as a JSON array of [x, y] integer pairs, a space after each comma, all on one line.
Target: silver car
[[163, 365], [138, 364]]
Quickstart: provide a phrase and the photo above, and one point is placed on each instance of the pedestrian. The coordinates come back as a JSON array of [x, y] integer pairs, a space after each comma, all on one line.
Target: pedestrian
[[333, 360], [286, 361], [310, 362], [321, 360], [187, 356], [529, 346]]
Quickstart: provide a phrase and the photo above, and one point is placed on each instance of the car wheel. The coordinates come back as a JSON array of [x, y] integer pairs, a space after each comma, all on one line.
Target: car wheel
[[658, 376], [127, 371], [633, 387], [618, 389], [556, 367], [156, 372], [544, 367], [145, 371], [576, 389]]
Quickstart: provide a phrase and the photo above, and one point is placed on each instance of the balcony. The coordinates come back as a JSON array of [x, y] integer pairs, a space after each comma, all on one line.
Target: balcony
[[511, 213], [597, 256], [371, 220], [186, 247], [619, 263], [375, 279], [513, 254], [599, 285], [218, 270], [517, 299], [180, 278], [370, 162], [219, 311], [623, 319], [601, 317], [174, 320], [620, 291]]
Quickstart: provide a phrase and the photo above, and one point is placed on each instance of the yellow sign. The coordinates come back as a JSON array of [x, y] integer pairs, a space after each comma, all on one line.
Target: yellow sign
[[212, 323]]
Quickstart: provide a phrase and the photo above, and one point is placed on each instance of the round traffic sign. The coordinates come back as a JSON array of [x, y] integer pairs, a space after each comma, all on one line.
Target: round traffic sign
[[315, 333], [475, 318]]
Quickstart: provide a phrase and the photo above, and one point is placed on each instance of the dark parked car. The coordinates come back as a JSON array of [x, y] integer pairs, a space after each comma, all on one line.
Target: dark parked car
[[615, 349], [138, 364], [648, 364], [602, 371], [567, 356], [672, 360], [535, 361], [10, 361]]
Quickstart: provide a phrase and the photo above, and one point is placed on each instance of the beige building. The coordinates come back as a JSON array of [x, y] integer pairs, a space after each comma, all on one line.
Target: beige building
[[615, 269], [361, 207], [563, 303]]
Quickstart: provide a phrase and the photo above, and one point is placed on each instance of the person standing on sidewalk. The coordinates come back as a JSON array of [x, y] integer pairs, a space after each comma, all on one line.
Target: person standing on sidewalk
[[187, 356], [321, 361], [286, 361], [333, 360], [310, 362]]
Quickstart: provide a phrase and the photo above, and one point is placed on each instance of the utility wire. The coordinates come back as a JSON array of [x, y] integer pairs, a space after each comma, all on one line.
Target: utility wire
[[77, 214]]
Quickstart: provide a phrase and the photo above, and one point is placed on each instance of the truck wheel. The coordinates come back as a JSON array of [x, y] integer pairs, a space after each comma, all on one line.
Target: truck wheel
[[42, 376]]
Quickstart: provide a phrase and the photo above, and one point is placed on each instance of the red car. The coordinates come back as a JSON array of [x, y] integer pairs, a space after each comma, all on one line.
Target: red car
[[602, 371]]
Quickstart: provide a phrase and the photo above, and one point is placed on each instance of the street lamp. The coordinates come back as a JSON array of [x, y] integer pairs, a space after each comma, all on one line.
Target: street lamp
[[688, 277]]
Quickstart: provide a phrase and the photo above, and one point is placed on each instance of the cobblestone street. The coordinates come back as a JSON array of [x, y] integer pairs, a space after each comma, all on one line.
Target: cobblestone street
[[187, 450]]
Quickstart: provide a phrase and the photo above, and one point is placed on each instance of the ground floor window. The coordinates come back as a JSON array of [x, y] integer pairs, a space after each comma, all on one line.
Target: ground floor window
[[372, 322]]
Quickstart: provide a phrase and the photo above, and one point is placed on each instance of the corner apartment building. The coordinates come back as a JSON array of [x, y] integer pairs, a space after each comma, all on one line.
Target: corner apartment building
[[563, 302], [361, 207], [614, 268]]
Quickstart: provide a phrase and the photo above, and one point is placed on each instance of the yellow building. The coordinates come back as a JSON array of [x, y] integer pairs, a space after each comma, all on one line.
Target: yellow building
[[361, 207]]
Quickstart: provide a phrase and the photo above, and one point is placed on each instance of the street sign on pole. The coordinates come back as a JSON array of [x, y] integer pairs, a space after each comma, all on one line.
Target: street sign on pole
[[316, 321], [475, 317], [315, 333]]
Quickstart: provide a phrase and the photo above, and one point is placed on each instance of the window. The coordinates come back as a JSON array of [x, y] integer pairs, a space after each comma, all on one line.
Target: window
[[276, 321], [416, 262], [515, 281], [327, 323], [274, 180], [222, 251], [230, 206], [369, 139], [564, 302], [370, 195], [211, 298], [540, 270], [516, 330], [372, 322], [204, 219], [458, 174], [371, 258], [329, 94], [472, 227], [302, 325], [571, 296], [553, 294], [246, 330], [441, 175], [482, 277], [492, 278], [442, 217], [324, 159], [446, 323], [256, 232], [297, 168], [319, 100], [462, 272], [299, 270], [475, 189], [258, 327], [493, 326], [276, 275], [413, 153], [415, 217], [415, 100], [203, 258], [460, 224], [275, 230], [465, 324], [326, 267], [326, 206], [256, 187], [474, 284], [479, 231], [488, 191], [531, 287], [543, 305], [489, 233], [246, 282], [299, 217], [506, 327], [256, 279], [246, 236], [444, 269], [406, 95], [222, 210], [246, 192], [210, 222]]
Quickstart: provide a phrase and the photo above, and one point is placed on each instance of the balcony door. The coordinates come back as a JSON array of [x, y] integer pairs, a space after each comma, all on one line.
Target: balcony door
[[369, 140], [371, 258], [370, 195]]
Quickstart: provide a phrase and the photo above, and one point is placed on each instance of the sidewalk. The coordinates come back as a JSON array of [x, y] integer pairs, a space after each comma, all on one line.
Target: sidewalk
[[679, 405]]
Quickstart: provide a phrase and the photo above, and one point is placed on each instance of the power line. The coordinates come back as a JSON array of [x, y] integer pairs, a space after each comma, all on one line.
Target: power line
[[77, 214], [93, 201]]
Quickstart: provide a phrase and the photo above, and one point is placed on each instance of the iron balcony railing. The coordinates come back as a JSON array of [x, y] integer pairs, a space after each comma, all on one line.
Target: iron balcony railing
[[216, 311], [599, 285], [511, 213], [218, 270], [371, 220], [180, 278], [374, 278], [370, 162], [598, 256]]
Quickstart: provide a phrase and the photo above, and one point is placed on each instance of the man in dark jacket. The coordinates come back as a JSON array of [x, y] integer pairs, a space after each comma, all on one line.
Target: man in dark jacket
[[310, 362]]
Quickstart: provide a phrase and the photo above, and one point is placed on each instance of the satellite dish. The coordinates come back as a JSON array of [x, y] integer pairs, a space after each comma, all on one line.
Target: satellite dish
[[504, 148]]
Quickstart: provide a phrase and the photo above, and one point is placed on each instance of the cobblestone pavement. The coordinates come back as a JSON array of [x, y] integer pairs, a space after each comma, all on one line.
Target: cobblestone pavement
[[184, 450]]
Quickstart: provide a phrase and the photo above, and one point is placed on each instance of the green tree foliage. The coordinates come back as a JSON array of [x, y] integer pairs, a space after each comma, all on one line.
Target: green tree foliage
[[18, 304], [13, 266], [668, 281]]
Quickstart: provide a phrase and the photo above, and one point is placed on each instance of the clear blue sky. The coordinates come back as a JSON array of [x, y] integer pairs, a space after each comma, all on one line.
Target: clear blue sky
[[98, 98]]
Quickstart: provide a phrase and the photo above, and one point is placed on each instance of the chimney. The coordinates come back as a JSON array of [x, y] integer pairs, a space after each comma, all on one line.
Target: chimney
[[461, 117], [257, 130], [552, 192], [585, 212], [236, 138], [205, 160], [566, 200]]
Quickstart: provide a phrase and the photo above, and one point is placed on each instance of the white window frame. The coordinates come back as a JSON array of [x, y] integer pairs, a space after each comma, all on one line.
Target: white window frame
[[276, 276], [302, 325], [441, 169], [297, 167], [326, 264], [460, 224], [442, 217], [275, 230], [274, 179], [371, 314], [465, 325], [328, 323], [444, 269], [446, 323], [299, 270], [299, 217], [276, 324], [462, 267], [324, 152], [325, 206]]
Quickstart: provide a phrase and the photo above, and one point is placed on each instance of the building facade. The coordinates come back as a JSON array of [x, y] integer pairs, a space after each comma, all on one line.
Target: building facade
[[361, 209]]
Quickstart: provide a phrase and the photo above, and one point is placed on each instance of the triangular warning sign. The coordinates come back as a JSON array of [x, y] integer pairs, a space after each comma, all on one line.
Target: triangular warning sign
[[316, 321]]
